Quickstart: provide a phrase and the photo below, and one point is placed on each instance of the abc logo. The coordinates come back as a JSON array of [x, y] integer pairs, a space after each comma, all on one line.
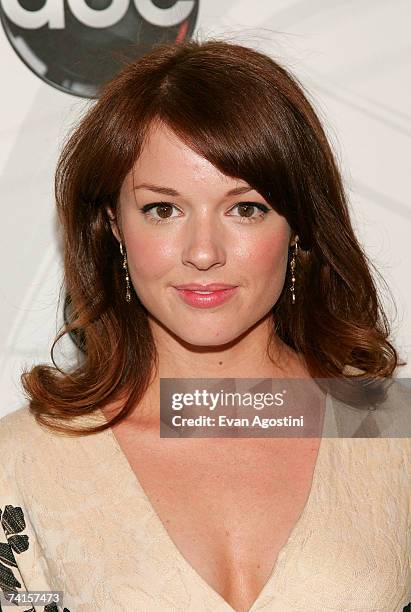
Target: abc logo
[[78, 45]]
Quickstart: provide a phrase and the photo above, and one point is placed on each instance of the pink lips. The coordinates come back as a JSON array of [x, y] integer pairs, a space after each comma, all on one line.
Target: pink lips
[[216, 294]]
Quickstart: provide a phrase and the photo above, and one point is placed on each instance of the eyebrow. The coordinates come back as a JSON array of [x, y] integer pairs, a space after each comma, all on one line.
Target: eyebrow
[[172, 192]]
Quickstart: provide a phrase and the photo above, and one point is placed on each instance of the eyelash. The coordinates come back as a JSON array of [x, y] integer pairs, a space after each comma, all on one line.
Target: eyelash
[[264, 210]]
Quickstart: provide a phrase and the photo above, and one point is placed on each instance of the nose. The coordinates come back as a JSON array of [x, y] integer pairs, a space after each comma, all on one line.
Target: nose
[[204, 245]]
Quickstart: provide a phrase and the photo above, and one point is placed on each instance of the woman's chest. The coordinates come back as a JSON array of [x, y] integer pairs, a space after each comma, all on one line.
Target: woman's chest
[[255, 527], [228, 509]]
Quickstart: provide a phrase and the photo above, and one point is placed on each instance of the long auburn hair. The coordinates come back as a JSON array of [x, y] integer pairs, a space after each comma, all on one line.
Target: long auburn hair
[[249, 117]]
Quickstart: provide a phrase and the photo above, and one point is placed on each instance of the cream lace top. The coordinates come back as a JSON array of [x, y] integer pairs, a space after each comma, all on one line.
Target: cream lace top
[[74, 518]]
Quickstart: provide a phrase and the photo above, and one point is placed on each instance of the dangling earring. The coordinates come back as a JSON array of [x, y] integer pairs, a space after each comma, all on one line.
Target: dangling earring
[[292, 266], [128, 294]]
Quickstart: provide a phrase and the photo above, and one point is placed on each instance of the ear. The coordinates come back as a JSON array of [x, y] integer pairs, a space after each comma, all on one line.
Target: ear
[[113, 223]]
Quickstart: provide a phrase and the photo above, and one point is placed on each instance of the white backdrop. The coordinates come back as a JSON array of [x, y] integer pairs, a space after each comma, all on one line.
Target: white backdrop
[[355, 60]]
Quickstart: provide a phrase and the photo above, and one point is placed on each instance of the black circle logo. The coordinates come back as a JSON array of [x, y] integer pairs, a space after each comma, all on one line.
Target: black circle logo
[[78, 45]]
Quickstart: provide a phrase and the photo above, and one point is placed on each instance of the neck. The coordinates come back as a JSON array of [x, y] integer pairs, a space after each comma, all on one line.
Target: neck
[[247, 357]]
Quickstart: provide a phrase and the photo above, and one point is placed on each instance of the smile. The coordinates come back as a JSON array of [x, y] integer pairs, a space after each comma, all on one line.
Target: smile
[[206, 299]]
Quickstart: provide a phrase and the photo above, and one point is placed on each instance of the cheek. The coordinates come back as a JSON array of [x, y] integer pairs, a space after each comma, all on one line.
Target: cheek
[[267, 256], [149, 257]]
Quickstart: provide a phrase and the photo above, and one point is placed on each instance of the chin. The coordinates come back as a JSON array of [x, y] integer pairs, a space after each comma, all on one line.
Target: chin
[[221, 336], [206, 339], [201, 333]]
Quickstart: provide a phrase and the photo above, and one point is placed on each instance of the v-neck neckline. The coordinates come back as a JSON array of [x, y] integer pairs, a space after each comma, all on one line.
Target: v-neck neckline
[[178, 555]]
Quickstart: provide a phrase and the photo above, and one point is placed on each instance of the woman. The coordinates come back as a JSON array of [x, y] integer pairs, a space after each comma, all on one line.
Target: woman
[[205, 164]]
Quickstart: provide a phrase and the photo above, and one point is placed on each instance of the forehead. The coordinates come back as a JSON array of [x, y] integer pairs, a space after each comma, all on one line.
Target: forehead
[[167, 160]]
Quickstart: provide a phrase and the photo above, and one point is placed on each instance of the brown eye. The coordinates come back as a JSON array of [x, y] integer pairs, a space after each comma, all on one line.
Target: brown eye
[[247, 208], [246, 211], [158, 213], [163, 210]]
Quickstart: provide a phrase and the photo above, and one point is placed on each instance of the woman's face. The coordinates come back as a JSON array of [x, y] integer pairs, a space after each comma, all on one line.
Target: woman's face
[[181, 225]]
